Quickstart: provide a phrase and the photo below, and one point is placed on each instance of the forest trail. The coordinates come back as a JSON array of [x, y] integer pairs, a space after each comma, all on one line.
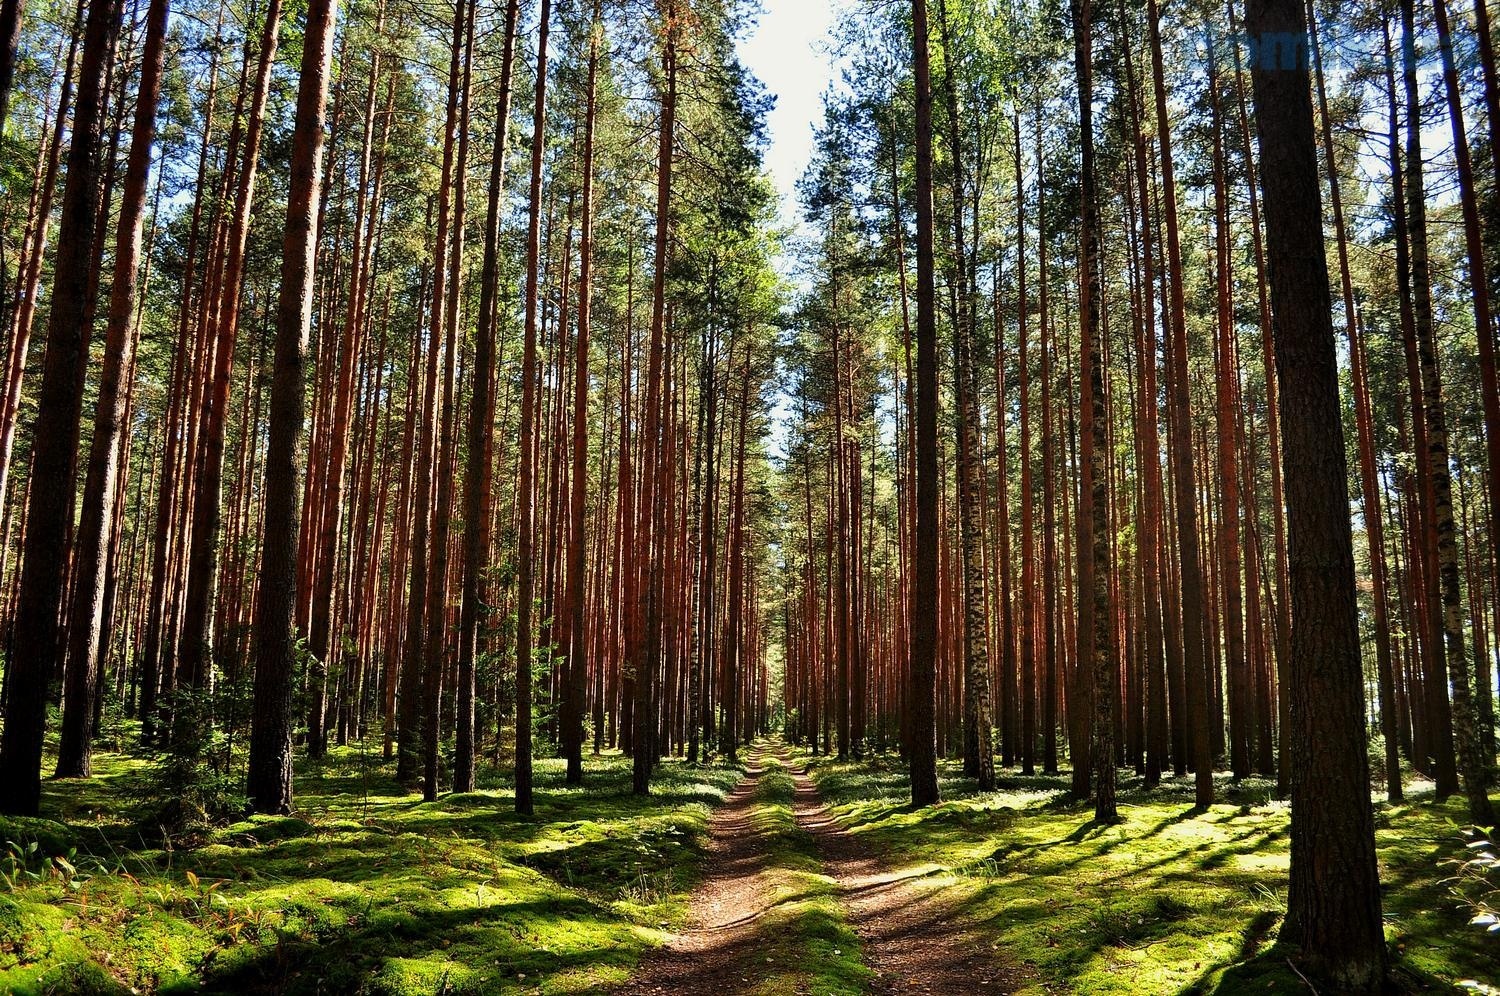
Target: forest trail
[[911, 937], [712, 955]]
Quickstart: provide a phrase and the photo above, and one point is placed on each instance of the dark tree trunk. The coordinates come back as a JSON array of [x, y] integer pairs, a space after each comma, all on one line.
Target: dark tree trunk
[[1095, 482], [1333, 904], [269, 780], [924, 598], [35, 633], [12, 12]]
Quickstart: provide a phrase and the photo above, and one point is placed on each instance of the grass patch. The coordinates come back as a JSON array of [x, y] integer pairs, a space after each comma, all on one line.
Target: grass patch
[[1171, 900], [367, 889], [806, 944]]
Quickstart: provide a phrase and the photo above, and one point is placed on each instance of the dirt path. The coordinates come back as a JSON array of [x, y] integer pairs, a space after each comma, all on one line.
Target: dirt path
[[712, 955], [912, 937], [910, 934]]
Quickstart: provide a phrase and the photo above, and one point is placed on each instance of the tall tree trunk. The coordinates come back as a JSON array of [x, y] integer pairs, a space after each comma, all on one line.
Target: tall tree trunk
[[979, 760], [1179, 413], [1333, 903], [1471, 753], [1028, 513], [92, 540], [1149, 454], [413, 690], [649, 534], [526, 497], [1364, 422], [35, 633], [435, 638], [330, 494], [33, 250], [924, 599], [195, 658], [1226, 390], [269, 778], [1447, 659], [1095, 481], [573, 695], [479, 472]]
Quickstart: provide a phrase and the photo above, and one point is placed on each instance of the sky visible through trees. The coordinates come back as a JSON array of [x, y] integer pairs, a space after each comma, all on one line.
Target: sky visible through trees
[[596, 495]]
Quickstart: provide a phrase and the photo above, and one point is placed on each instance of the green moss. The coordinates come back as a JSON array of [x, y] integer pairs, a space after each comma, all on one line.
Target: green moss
[[366, 889], [50, 837], [806, 945], [1171, 900]]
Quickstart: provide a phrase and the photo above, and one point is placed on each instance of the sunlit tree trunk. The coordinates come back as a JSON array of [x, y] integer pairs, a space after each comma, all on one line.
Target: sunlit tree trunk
[[573, 694], [92, 541], [526, 496], [1181, 444], [479, 470]]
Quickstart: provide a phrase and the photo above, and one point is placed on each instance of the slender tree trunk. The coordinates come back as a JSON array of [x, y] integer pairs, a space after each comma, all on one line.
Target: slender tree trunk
[[1095, 481], [1333, 905], [1447, 660], [1028, 514], [194, 653], [1471, 753], [526, 497], [1226, 390], [922, 674], [649, 534], [479, 472], [35, 632], [1364, 422], [269, 780], [1181, 442], [435, 638], [33, 250], [92, 541], [1149, 456], [573, 696], [979, 760]]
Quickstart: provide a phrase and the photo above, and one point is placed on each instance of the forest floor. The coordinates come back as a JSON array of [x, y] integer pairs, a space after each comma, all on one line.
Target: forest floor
[[793, 904], [793, 875], [367, 889], [1173, 899]]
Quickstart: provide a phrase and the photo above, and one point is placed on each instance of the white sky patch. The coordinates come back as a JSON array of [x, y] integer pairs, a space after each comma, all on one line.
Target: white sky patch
[[786, 52]]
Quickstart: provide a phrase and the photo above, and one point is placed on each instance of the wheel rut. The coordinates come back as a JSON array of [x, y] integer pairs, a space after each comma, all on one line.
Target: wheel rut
[[913, 937], [711, 955]]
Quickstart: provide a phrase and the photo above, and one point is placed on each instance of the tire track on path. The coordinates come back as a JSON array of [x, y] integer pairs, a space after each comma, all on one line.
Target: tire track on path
[[711, 956], [913, 936]]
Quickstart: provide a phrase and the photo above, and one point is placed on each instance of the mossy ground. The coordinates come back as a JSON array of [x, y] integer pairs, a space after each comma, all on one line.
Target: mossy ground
[[807, 945], [1171, 900], [367, 889]]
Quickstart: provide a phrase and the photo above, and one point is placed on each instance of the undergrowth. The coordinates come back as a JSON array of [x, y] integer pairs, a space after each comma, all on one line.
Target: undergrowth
[[366, 890], [1172, 899]]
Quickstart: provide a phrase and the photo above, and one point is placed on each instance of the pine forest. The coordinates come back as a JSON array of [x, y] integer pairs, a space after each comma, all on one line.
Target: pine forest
[[704, 497]]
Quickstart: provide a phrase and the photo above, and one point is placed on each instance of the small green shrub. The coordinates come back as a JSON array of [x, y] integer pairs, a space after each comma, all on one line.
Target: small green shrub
[[192, 786]]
